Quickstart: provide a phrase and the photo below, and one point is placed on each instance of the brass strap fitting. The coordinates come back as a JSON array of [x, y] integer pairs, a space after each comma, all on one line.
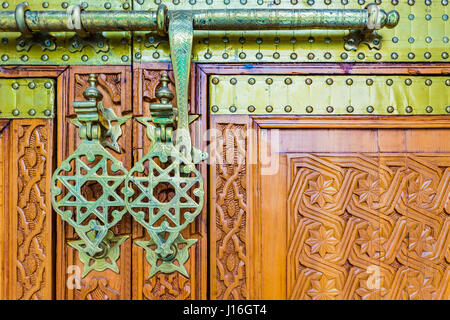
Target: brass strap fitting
[[19, 16], [75, 20], [161, 20]]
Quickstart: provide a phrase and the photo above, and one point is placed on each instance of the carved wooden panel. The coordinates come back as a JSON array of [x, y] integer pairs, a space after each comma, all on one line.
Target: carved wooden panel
[[229, 212], [368, 226], [115, 85], [25, 209]]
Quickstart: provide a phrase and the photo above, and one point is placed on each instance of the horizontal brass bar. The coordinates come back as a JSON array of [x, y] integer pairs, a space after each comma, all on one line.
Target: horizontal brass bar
[[221, 19]]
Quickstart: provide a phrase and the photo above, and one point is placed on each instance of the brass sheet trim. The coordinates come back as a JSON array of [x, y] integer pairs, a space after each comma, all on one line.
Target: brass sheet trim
[[27, 98], [329, 95]]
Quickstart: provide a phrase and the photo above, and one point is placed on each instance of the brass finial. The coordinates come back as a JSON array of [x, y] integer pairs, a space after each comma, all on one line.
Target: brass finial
[[163, 93], [92, 93]]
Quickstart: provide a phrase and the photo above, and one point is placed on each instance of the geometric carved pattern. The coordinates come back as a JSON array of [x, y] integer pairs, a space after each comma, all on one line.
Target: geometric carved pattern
[[33, 210], [231, 213], [365, 226]]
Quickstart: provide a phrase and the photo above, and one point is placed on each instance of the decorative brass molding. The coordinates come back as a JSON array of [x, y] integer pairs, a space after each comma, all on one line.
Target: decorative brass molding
[[329, 94], [27, 98]]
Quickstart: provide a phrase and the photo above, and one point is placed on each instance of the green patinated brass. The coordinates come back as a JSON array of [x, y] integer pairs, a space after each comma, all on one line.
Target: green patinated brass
[[167, 166], [88, 166], [27, 98]]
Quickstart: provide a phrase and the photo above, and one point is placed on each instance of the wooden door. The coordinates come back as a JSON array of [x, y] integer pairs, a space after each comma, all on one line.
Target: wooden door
[[325, 207]]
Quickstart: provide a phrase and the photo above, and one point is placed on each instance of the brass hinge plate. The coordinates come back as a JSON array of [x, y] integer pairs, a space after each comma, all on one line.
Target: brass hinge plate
[[27, 98], [329, 94]]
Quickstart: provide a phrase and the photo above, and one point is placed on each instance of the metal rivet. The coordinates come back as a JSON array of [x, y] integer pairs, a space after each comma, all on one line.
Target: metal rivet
[[206, 40], [428, 39], [327, 40], [107, 5], [65, 57], [209, 2], [269, 108], [45, 4], [259, 56], [411, 2], [241, 40], [390, 109], [225, 55], [5, 40], [233, 81], [5, 5], [428, 82], [259, 40], [124, 58], [104, 57], [293, 56], [330, 109], [215, 80], [361, 56], [251, 108], [327, 2], [155, 55], [293, 40], [447, 109], [394, 2], [428, 17], [329, 81], [232, 109], [44, 57], [84, 5], [411, 55], [214, 108], [309, 109], [141, 2], [428, 2], [225, 40], [444, 2], [350, 109], [369, 82], [294, 2], [377, 56], [15, 112], [242, 55], [349, 81], [276, 55], [447, 82], [288, 108], [308, 81], [269, 81], [251, 81], [389, 82], [427, 55], [311, 40], [15, 85], [207, 55], [445, 39], [344, 56], [64, 5], [47, 85], [361, 2], [369, 109], [5, 57], [394, 55], [47, 112], [411, 16], [32, 85], [394, 39], [429, 109], [327, 55], [243, 2], [310, 56], [408, 109], [411, 40], [344, 2], [445, 17], [276, 40], [310, 2], [138, 55], [288, 81], [192, 2], [24, 57], [32, 112], [226, 2], [84, 57], [408, 82]]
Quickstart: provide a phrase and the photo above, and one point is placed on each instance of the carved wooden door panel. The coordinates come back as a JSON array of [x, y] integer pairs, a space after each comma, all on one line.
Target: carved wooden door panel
[[325, 207]]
